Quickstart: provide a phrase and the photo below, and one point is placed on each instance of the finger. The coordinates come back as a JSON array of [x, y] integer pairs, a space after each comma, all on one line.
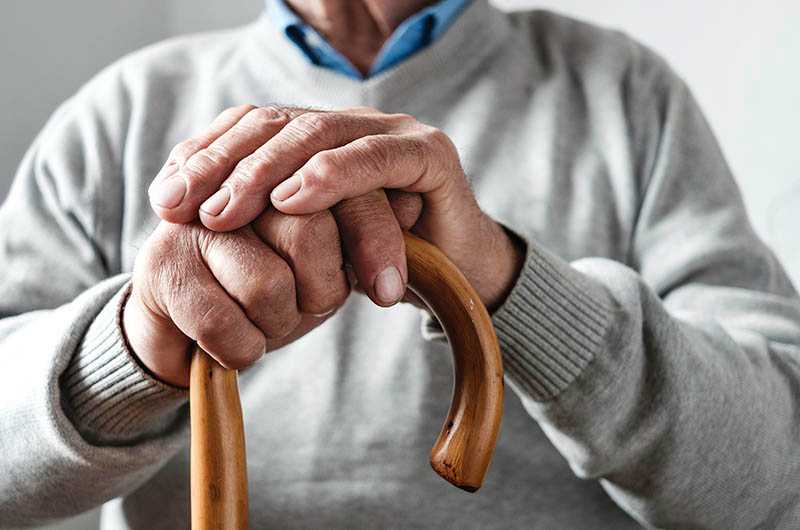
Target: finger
[[407, 207], [203, 311], [310, 245], [409, 297], [178, 197], [260, 281], [374, 246], [412, 162], [184, 150], [221, 124], [252, 180]]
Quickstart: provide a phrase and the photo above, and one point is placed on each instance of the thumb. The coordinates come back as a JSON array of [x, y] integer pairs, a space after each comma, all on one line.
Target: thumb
[[373, 245]]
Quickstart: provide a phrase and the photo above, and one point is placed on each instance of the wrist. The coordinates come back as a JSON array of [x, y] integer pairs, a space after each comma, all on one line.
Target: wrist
[[504, 272], [156, 343], [108, 395]]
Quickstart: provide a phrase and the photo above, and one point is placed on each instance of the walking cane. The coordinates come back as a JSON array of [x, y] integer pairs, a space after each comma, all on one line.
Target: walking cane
[[463, 450]]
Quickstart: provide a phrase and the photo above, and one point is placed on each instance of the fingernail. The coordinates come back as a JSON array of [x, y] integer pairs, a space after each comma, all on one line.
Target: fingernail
[[287, 188], [389, 285], [170, 193], [217, 202]]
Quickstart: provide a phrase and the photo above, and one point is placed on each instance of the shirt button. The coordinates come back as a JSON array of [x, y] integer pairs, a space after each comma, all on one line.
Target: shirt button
[[313, 40]]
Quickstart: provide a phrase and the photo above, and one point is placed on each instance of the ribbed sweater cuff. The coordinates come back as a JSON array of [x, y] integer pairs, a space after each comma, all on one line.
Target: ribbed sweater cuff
[[551, 325], [109, 397]]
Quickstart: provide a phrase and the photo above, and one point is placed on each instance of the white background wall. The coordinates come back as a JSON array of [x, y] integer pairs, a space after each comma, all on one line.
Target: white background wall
[[742, 59]]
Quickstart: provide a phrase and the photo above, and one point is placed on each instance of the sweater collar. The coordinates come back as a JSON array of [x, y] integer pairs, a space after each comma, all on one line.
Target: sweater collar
[[413, 35], [474, 35]]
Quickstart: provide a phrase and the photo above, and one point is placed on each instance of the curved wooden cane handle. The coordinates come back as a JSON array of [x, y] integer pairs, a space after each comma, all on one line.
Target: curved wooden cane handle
[[463, 450]]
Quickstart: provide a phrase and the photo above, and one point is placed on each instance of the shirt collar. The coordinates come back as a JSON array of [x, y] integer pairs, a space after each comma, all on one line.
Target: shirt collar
[[414, 34]]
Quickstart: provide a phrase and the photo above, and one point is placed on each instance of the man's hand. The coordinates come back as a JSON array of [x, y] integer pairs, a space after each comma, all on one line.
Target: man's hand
[[242, 293], [308, 161], [237, 294], [235, 150]]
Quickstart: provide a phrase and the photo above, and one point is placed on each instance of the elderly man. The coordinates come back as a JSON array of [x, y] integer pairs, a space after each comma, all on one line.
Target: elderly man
[[651, 340]]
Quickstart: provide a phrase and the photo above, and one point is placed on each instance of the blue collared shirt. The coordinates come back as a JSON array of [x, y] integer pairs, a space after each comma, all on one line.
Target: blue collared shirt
[[414, 34]]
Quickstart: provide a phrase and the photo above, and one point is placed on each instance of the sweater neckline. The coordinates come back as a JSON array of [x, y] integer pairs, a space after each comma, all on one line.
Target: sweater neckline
[[476, 33]]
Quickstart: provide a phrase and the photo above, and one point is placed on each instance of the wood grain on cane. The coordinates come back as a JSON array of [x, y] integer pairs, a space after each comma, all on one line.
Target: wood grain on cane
[[463, 450], [218, 461]]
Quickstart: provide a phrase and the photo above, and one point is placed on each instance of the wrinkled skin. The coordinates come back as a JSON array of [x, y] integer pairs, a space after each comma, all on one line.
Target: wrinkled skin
[[264, 209]]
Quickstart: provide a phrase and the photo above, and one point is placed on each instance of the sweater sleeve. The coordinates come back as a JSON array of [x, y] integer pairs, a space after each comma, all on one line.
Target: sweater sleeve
[[73, 400], [673, 379]]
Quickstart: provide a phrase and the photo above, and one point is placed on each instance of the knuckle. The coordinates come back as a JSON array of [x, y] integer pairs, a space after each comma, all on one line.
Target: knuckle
[[314, 123], [166, 241], [168, 255], [203, 164], [217, 155], [249, 349], [289, 322], [418, 151], [257, 298], [375, 154], [438, 139], [267, 117], [276, 112], [248, 356], [277, 284], [259, 159], [307, 235], [416, 147], [332, 297], [324, 167], [183, 150], [239, 109], [156, 260], [280, 294], [234, 111], [250, 171], [159, 243], [313, 181], [421, 153], [213, 326], [271, 301], [279, 323], [318, 305], [402, 118]]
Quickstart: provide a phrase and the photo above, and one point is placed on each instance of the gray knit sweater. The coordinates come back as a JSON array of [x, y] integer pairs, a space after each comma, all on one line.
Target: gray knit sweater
[[651, 342]]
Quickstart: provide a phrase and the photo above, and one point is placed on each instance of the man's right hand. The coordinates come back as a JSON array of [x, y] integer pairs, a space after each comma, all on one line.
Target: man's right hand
[[237, 294], [240, 294]]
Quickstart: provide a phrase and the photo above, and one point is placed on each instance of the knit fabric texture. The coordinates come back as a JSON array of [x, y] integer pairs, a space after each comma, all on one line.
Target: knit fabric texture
[[651, 342]]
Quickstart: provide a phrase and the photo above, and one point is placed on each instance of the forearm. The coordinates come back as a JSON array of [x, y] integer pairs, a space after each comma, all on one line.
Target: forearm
[[682, 420], [69, 401]]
